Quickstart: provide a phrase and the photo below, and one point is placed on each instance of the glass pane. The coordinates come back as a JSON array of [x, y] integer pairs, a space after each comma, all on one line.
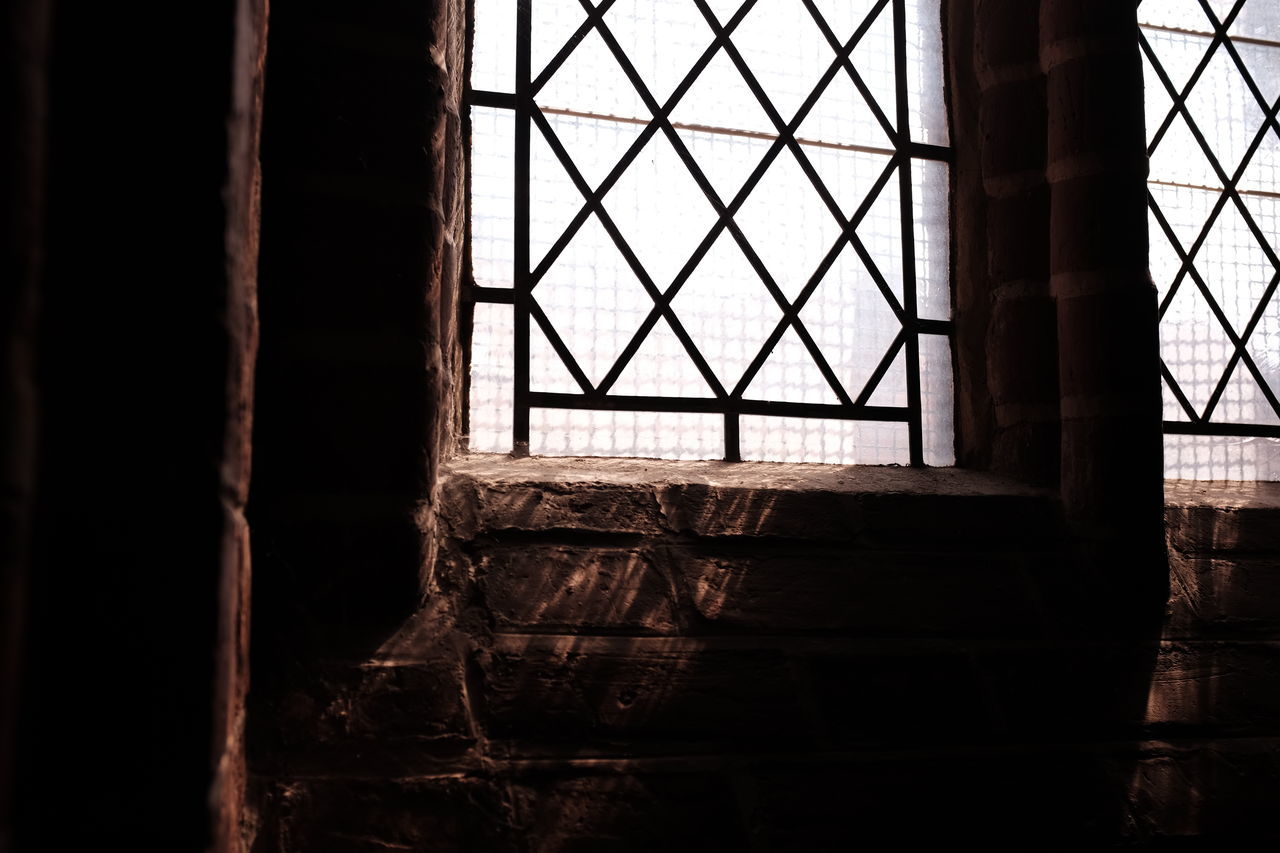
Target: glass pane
[[820, 440], [1205, 457], [654, 435], [937, 398], [493, 57], [925, 72], [930, 197], [493, 174], [492, 393]]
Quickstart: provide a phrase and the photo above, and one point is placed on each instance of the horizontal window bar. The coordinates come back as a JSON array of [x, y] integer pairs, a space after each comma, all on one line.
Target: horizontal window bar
[[932, 152], [934, 327], [1259, 193], [1211, 428], [485, 98], [1202, 34], [924, 151], [711, 405], [493, 294]]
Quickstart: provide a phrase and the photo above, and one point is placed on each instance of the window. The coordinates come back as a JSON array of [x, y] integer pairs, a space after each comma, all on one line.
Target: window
[[1213, 91], [711, 229]]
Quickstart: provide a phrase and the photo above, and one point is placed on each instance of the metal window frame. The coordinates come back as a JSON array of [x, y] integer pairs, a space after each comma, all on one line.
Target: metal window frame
[[1202, 422], [731, 403]]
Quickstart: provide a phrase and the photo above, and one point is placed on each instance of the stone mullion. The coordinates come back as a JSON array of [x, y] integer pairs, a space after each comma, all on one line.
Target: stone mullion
[[1108, 355]]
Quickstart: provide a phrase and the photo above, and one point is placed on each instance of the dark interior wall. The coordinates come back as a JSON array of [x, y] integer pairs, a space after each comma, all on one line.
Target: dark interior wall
[[357, 378], [23, 106], [139, 199]]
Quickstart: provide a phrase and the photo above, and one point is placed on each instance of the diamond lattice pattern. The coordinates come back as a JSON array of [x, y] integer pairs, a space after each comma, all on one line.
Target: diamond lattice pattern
[[1212, 73], [715, 212]]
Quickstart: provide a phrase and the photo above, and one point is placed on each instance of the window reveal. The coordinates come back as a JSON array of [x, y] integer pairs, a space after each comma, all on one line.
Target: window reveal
[[711, 230]]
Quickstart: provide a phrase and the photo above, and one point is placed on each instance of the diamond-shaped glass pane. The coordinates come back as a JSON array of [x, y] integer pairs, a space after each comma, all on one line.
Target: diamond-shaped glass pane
[[591, 81], [662, 366], [790, 374], [788, 224], [660, 210], [727, 310], [593, 299], [1176, 14], [661, 38], [849, 318]]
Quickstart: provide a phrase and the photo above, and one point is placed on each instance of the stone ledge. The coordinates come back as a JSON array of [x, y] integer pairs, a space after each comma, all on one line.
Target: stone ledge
[[1221, 494], [498, 468], [1215, 517], [873, 504]]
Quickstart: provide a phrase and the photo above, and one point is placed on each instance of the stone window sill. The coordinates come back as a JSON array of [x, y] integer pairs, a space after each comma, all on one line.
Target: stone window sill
[[749, 499]]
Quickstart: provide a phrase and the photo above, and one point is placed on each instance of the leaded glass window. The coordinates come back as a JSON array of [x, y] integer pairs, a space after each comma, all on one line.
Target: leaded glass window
[[711, 229], [1212, 70]]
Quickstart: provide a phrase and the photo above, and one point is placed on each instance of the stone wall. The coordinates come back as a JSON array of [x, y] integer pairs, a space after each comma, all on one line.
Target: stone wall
[[625, 654], [128, 336], [501, 655]]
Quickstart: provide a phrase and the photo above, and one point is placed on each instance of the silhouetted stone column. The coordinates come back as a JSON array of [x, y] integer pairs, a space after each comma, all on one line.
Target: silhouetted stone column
[[1106, 305], [1021, 341]]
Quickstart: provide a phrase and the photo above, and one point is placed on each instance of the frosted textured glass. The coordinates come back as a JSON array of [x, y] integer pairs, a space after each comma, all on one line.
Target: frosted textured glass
[[930, 196], [655, 435], [489, 430], [924, 71], [937, 397], [766, 439], [1232, 259], [1211, 457], [727, 308], [493, 173], [493, 57]]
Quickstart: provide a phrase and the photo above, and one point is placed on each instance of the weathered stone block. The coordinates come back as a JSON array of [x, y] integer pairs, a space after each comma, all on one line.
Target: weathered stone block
[[1232, 687], [1018, 249], [1027, 327], [1220, 793], [1079, 693], [1215, 518], [1006, 33], [870, 592], [585, 688], [368, 816], [1240, 594], [897, 694], [881, 518], [1052, 800], [543, 506], [614, 813], [1013, 125], [560, 586]]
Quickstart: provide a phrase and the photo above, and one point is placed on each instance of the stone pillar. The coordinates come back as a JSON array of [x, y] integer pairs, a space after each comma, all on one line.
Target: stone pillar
[[1108, 361], [1021, 340]]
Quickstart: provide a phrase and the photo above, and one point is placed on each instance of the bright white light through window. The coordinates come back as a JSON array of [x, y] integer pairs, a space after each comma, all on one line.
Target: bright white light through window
[[677, 342], [1212, 73]]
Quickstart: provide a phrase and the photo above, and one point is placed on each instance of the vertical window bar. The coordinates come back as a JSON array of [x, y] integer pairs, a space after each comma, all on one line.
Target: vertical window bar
[[915, 422], [732, 450], [524, 105]]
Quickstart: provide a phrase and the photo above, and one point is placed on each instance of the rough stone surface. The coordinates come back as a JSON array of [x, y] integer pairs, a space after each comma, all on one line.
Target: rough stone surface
[[548, 587], [630, 654]]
